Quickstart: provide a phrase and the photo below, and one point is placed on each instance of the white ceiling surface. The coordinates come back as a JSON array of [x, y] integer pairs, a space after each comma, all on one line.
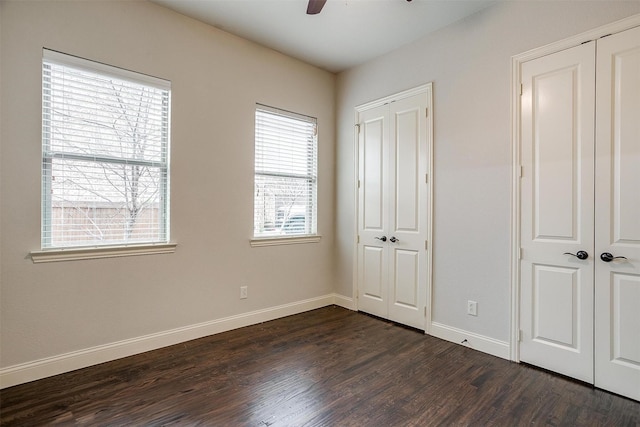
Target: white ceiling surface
[[346, 33]]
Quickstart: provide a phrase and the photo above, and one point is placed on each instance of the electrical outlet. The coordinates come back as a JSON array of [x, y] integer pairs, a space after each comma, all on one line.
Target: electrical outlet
[[243, 292], [472, 308]]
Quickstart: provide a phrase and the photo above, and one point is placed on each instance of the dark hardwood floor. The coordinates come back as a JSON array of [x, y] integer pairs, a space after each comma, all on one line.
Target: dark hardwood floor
[[327, 367]]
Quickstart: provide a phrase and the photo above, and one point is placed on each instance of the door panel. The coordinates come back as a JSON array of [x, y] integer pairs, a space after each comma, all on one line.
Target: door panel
[[617, 350], [625, 294], [408, 211], [407, 196], [373, 216], [406, 283], [625, 136], [555, 104], [373, 194], [407, 289], [373, 272], [556, 315]]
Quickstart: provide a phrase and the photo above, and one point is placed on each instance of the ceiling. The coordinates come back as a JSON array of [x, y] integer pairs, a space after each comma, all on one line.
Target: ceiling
[[346, 33]]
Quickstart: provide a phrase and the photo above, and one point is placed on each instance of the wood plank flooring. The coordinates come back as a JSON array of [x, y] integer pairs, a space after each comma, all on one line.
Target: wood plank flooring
[[327, 367]]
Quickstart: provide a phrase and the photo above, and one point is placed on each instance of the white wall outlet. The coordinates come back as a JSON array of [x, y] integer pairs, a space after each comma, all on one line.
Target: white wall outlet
[[243, 292], [472, 308]]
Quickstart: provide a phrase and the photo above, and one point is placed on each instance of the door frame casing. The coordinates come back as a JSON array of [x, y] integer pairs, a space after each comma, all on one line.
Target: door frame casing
[[426, 90], [516, 84]]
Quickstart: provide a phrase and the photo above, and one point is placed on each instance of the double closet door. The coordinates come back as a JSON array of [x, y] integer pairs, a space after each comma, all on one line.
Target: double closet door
[[580, 213], [393, 217]]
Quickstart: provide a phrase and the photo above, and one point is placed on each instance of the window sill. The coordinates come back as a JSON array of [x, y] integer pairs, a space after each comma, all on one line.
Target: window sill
[[274, 241], [75, 254]]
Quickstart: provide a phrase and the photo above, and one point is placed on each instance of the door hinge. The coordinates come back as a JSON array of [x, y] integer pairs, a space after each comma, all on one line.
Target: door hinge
[[520, 253], [358, 183], [426, 178], [425, 311], [358, 238], [426, 244], [519, 335], [426, 112], [358, 127], [521, 88], [521, 171]]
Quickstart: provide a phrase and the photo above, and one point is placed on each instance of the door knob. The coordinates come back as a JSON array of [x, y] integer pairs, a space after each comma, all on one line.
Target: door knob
[[607, 257], [383, 238], [393, 239], [579, 254]]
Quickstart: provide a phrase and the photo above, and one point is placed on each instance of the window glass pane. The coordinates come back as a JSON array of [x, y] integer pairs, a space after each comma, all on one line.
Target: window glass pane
[[105, 164], [283, 205], [92, 114], [109, 203], [283, 145], [285, 174]]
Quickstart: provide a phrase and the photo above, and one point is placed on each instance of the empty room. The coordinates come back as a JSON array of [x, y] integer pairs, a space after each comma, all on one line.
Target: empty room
[[328, 213]]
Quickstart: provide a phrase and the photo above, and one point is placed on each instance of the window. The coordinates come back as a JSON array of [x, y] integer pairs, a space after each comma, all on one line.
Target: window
[[285, 174], [105, 155]]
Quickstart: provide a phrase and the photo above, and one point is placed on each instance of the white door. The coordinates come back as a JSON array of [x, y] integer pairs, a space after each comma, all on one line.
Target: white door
[[617, 315], [580, 191], [393, 215], [556, 289], [373, 214]]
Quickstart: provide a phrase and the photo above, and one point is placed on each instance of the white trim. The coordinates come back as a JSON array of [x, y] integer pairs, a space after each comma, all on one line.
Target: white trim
[[274, 241], [475, 341], [99, 67], [430, 184], [75, 254], [514, 326], [425, 88], [516, 65], [286, 113], [356, 210], [31, 371], [344, 302], [594, 34]]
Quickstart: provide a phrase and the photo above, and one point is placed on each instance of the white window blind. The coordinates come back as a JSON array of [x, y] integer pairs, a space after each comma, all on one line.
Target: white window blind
[[105, 154], [285, 173]]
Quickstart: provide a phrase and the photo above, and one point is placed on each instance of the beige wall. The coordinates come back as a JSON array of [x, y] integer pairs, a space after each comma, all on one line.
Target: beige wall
[[55, 308], [52, 309], [469, 64]]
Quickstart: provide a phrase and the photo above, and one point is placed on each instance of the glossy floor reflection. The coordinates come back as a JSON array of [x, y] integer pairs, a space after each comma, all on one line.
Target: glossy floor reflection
[[327, 367]]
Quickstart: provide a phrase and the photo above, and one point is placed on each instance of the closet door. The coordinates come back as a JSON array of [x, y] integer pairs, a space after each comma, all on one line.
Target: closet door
[[373, 212], [556, 282], [617, 288], [408, 211], [393, 213]]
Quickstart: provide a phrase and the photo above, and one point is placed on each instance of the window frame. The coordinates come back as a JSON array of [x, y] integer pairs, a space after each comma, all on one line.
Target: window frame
[[95, 249], [269, 239]]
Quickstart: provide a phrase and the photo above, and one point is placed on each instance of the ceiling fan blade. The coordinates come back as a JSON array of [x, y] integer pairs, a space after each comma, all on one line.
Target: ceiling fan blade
[[315, 6]]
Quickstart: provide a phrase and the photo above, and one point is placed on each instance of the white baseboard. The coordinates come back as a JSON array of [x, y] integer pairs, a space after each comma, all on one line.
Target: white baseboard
[[344, 302], [31, 371], [475, 341]]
